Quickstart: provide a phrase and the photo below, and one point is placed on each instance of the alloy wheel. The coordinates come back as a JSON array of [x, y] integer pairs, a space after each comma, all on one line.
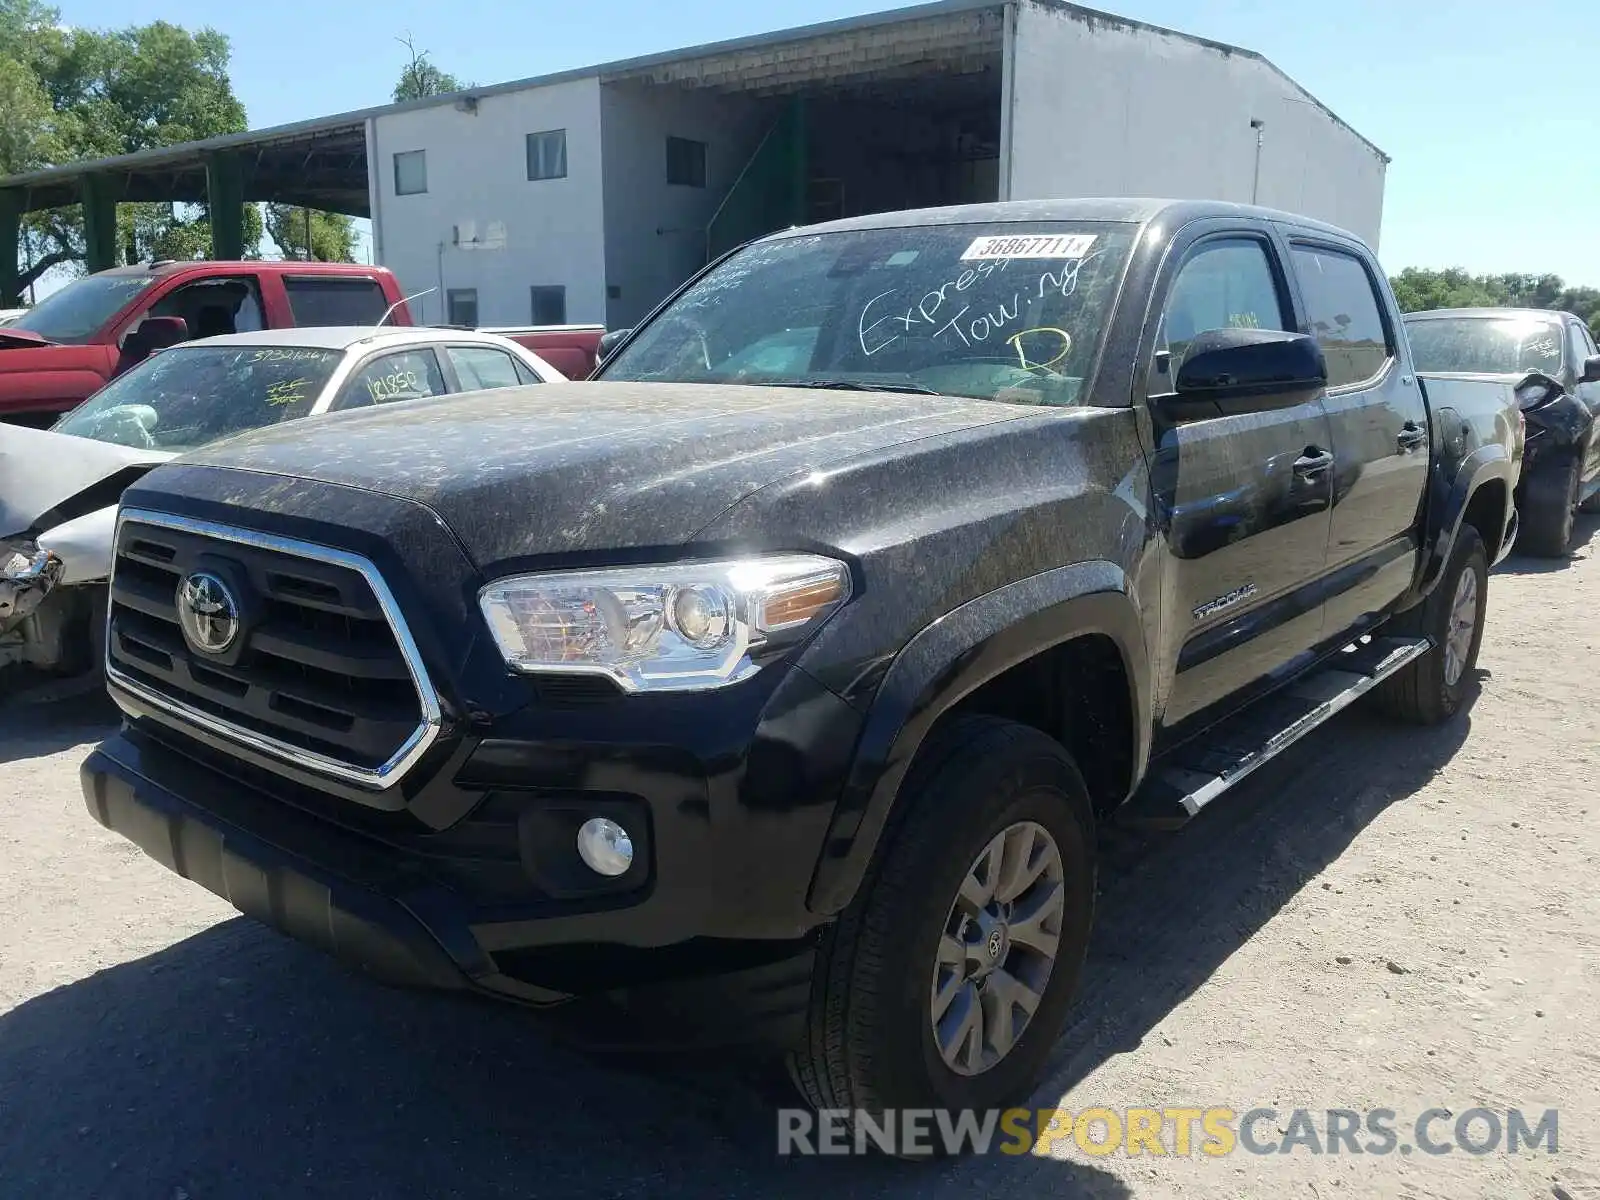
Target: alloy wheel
[[998, 948]]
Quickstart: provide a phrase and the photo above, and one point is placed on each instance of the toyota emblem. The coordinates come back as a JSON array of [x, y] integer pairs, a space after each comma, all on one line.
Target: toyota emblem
[[208, 613]]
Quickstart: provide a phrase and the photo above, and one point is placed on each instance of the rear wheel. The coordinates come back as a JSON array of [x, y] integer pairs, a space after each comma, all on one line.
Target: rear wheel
[[1433, 688], [946, 981], [1550, 508]]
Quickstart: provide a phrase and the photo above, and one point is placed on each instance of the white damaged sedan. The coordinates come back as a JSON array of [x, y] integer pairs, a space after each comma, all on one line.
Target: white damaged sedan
[[59, 488]]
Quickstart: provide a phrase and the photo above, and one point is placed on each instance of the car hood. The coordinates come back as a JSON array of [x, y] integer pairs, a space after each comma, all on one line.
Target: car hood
[[14, 339], [49, 478], [587, 467]]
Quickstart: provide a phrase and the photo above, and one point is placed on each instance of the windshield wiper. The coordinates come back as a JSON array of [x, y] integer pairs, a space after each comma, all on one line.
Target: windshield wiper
[[857, 385]]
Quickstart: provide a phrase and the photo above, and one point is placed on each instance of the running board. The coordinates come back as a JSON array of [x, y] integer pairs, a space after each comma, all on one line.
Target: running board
[[1197, 773]]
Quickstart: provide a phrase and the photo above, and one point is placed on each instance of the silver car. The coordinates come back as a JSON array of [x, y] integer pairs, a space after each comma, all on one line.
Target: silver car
[[59, 488]]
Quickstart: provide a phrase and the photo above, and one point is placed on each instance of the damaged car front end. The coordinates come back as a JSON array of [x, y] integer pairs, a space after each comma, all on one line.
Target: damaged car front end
[[57, 505]]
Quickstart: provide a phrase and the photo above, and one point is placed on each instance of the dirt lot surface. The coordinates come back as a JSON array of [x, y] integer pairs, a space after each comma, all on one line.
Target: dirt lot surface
[[1382, 919]]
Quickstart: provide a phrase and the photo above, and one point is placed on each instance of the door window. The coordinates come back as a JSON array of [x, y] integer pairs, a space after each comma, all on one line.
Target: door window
[[229, 304], [1345, 313], [403, 375], [329, 300], [1580, 349], [482, 367], [1227, 284]]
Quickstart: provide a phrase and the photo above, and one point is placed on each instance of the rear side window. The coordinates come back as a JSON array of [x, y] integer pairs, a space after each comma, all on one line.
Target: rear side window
[[1345, 313], [482, 367], [315, 301]]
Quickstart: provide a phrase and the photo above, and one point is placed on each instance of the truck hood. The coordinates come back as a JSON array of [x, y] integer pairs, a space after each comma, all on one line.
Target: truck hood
[[590, 467], [12, 339], [50, 478]]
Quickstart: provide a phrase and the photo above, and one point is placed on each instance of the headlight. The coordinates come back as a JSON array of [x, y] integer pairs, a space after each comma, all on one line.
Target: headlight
[[686, 626]]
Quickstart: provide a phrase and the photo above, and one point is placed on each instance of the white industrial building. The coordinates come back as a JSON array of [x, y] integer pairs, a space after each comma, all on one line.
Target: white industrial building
[[587, 196]]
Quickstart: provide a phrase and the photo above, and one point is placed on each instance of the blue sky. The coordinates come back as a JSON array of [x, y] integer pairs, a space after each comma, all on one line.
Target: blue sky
[[1490, 111]]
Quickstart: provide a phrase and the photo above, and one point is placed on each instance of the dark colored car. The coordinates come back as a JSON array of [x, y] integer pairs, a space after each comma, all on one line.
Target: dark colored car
[[1550, 358], [775, 684]]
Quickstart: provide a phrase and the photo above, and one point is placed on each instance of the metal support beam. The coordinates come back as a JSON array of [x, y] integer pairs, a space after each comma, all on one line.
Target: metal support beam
[[225, 204], [10, 246], [98, 194], [799, 162]]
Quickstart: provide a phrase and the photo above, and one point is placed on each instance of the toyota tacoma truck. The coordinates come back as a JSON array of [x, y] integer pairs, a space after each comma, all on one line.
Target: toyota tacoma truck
[[58, 353], [773, 685]]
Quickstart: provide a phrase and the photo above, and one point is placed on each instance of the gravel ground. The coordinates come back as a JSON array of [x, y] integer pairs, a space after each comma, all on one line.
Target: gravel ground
[[1383, 918]]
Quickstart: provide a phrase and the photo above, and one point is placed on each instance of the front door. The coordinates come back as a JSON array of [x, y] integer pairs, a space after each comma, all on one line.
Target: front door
[[1242, 500], [1379, 424], [1581, 347]]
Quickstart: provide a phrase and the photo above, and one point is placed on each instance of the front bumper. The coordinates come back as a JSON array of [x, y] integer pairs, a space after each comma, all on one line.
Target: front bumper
[[713, 931]]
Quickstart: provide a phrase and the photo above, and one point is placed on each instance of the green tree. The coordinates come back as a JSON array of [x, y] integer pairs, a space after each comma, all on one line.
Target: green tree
[[419, 77], [105, 93], [332, 239]]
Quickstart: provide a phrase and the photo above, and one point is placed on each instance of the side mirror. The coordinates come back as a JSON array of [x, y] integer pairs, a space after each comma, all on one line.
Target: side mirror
[[1229, 371], [609, 342], [1591, 370]]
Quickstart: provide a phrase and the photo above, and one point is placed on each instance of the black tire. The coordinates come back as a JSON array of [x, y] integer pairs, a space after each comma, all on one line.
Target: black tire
[[1421, 693], [870, 1044], [1550, 507]]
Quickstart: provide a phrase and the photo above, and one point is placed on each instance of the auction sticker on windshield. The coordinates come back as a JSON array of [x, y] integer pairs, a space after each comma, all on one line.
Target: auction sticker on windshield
[[1047, 245]]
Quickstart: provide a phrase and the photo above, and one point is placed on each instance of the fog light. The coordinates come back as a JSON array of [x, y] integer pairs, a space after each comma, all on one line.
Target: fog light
[[605, 847]]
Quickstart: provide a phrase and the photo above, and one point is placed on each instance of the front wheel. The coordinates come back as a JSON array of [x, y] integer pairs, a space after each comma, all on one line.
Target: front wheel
[[1550, 509], [1433, 688], [946, 982]]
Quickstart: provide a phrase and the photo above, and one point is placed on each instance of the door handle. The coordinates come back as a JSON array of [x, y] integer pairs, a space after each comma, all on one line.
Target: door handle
[[1411, 436], [1313, 462]]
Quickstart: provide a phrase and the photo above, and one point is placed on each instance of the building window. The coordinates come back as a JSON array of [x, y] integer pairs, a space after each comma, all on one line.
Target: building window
[[686, 162], [462, 307], [411, 173], [547, 154], [549, 305]]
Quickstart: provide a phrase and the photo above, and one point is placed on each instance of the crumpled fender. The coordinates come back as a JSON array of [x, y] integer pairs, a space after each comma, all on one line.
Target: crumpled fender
[[1566, 419], [47, 478]]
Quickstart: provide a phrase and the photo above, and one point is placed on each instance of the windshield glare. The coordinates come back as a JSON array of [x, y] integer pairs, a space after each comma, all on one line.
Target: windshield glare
[[190, 395], [80, 310], [1486, 345], [1012, 312]]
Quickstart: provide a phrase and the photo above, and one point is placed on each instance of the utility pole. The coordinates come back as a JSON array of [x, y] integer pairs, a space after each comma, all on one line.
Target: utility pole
[[1259, 126]]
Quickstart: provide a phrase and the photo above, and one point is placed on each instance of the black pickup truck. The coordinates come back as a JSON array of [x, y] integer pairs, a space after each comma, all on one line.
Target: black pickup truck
[[774, 684]]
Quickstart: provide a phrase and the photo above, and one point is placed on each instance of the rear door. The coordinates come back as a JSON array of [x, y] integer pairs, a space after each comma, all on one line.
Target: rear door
[[1242, 499], [1379, 424]]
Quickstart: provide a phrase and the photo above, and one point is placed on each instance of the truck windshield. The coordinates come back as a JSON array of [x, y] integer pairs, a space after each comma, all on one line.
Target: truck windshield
[[80, 310], [190, 395], [1485, 345], [1012, 312]]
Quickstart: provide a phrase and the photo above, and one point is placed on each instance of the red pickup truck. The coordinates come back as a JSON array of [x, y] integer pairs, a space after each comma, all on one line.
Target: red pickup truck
[[78, 338]]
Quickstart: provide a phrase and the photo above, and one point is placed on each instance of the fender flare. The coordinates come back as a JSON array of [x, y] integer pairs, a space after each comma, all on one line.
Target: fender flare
[[1484, 465], [947, 661]]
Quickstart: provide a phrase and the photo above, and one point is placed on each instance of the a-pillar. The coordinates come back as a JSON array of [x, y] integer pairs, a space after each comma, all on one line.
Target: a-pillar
[[225, 203], [10, 246], [99, 196]]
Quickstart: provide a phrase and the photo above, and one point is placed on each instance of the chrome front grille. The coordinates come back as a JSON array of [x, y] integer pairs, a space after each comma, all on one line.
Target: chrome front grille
[[323, 671]]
